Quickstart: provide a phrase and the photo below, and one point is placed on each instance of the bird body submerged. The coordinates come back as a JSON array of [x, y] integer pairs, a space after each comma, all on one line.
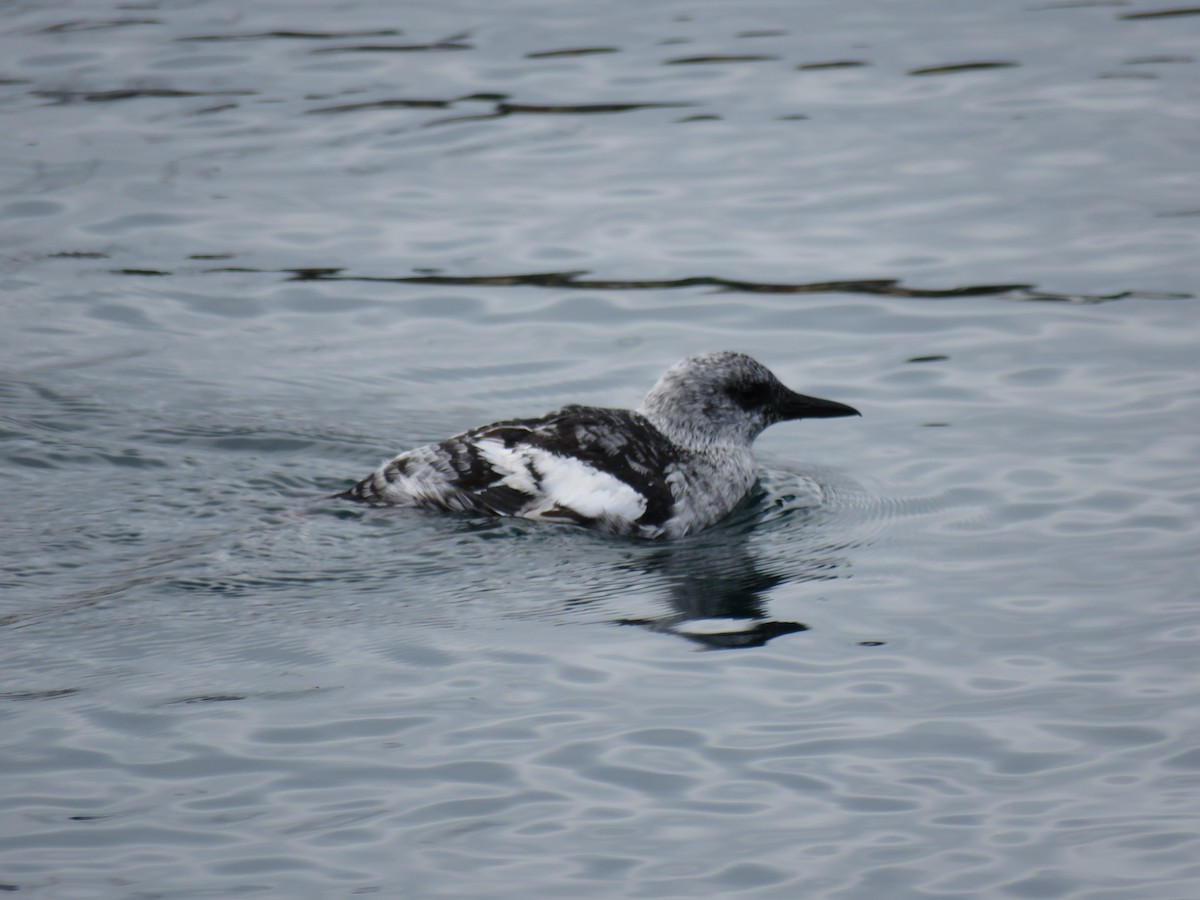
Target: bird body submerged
[[674, 466]]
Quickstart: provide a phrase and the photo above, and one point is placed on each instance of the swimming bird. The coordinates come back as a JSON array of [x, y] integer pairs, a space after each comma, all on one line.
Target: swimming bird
[[672, 467]]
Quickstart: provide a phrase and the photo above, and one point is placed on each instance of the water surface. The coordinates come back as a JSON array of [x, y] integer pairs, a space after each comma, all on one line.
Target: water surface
[[944, 651]]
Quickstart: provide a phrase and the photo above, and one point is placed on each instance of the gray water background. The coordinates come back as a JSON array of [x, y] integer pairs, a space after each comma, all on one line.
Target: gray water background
[[948, 650]]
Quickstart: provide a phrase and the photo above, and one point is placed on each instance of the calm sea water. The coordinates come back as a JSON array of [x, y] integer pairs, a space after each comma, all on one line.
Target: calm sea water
[[945, 651]]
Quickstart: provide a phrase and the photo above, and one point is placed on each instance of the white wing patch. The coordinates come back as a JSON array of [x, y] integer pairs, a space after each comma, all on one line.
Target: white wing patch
[[570, 482], [554, 481], [510, 462]]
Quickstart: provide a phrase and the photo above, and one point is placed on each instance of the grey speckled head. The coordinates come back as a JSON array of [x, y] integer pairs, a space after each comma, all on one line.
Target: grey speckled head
[[727, 398]]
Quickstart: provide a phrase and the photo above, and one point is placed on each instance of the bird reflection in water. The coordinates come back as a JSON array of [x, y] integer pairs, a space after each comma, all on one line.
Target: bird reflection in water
[[718, 592]]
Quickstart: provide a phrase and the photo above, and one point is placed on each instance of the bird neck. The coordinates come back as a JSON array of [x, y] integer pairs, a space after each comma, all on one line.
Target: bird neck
[[692, 433]]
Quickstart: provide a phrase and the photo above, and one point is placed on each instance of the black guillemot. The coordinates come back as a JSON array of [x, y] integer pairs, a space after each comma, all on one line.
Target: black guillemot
[[674, 466]]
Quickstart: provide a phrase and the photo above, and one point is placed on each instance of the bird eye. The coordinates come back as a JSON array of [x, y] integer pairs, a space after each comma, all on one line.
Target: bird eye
[[750, 396]]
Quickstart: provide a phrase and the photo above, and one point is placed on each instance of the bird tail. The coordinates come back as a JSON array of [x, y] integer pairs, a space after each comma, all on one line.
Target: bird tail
[[365, 491]]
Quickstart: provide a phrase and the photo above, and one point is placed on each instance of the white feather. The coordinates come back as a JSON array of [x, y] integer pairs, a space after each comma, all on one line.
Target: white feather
[[511, 462], [572, 483]]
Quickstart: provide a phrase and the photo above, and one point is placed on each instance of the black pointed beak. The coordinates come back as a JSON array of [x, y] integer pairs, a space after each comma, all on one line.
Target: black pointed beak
[[798, 406]]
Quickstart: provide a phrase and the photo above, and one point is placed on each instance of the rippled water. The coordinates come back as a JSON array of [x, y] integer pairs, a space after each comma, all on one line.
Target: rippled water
[[948, 650]]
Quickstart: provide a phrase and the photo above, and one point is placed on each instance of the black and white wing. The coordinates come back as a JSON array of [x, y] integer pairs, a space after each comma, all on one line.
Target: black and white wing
[[602, 468]]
